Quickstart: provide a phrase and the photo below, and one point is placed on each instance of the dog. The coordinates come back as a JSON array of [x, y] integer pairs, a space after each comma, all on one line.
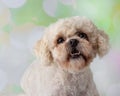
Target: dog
[[64, 54]]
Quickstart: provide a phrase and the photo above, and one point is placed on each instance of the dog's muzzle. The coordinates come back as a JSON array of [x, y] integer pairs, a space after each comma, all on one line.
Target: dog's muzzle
[[74, 52]]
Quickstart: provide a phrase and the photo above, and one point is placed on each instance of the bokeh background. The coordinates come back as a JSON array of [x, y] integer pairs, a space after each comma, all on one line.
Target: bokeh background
[[22, 23]]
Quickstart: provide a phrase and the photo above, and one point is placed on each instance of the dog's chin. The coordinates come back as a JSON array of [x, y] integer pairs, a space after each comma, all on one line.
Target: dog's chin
[[74, 63], [77, 56]]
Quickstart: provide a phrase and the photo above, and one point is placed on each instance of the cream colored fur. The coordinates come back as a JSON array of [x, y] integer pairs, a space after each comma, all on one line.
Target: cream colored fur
[[46, 76]]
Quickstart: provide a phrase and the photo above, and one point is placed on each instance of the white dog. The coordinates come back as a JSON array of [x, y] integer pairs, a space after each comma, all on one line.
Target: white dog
[[64, 55]]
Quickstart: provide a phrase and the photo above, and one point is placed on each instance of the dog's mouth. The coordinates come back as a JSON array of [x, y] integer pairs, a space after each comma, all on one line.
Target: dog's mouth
[[75, 54]]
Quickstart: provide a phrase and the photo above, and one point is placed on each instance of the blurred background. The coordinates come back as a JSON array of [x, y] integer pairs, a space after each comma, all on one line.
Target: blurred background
[[22, 23]]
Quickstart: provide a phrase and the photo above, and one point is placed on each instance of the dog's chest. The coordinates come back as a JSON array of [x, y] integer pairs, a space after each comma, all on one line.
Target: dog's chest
[[69, 85]]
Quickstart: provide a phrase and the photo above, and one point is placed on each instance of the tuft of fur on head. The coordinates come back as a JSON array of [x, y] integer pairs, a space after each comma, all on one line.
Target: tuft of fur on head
[[93, 42]]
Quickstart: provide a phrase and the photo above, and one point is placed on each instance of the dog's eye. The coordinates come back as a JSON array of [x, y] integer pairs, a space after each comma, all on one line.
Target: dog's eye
[[60, 40], [82, 35]]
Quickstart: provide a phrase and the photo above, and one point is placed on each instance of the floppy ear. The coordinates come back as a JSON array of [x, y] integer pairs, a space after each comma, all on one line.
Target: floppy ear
[[42, 52], [102, 43]]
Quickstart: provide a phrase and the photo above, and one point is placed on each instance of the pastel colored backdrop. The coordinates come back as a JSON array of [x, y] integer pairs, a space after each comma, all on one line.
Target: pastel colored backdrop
[[22, 23]]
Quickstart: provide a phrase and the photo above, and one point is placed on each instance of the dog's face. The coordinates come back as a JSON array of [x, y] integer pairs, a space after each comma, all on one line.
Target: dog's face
[[72, 44], [72, 50]]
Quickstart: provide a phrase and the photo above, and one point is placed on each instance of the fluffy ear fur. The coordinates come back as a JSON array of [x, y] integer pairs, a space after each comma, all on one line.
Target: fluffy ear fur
[[102, 43], [42, 52]]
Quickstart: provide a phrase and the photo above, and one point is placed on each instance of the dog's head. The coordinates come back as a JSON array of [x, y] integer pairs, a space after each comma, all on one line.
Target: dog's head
[[72, 44]]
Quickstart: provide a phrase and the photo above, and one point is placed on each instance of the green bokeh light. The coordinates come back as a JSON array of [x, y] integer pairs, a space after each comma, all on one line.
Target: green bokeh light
[[32, 11]]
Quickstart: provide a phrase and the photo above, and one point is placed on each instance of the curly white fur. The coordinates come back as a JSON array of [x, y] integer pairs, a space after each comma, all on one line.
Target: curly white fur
[[46, 78]]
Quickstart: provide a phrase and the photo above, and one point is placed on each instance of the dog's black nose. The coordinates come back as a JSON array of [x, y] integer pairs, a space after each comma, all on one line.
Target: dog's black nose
[[73, 42]]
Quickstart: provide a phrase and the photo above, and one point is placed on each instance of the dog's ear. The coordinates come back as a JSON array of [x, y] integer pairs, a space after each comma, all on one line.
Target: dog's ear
[[42, 52], [102, 43]]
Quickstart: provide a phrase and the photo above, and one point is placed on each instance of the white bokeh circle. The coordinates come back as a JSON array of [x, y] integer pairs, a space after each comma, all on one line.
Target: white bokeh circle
[[3, 79], [50, 7], [18, 39], [19, 35], [67, 2], [34, 36], [14, 3]]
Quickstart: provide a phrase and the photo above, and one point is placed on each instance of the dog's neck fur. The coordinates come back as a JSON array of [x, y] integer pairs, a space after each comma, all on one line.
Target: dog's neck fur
[[74, 84], [57, 82]]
